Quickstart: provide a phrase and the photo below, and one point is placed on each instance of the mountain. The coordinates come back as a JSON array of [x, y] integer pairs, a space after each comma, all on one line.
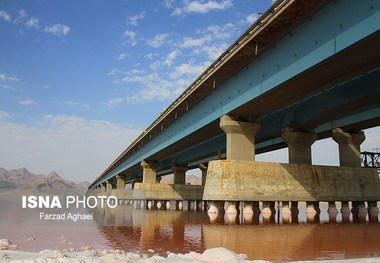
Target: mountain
[[24, 179]]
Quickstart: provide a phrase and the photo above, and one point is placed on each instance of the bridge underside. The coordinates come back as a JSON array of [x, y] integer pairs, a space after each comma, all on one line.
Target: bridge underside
[[319, 79], [328, 101]]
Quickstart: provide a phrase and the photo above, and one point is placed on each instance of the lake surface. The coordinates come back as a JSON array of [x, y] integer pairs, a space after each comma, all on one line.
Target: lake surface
[[160, 231]]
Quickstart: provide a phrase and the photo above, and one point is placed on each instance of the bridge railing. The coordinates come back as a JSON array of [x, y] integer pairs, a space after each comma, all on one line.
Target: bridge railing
[[371, 159]]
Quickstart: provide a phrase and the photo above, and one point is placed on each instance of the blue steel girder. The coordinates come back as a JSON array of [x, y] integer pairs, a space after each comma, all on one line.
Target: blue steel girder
[[336, 43], [340, 104]]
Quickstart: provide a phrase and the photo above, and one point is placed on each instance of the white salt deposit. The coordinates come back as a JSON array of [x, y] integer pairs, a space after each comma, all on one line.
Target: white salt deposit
[[211, 255]]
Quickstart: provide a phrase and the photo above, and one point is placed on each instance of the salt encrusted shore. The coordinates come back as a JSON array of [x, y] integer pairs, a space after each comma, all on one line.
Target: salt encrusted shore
[[9, 253]]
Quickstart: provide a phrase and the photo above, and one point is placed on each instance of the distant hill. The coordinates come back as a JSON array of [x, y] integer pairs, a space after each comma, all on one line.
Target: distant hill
[[24, 179]]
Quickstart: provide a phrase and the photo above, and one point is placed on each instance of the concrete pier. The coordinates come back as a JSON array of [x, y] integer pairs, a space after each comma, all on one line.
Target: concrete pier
[[299, 145], [233, 180], [149, 171], [108, 187], [240, 137], [349, 147], [179, 174]]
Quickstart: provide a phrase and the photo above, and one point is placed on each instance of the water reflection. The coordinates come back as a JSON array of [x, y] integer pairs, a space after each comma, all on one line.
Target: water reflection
[[277, 237]]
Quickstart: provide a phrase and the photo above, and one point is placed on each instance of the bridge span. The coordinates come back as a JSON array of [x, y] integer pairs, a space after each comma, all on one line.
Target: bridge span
[[306, 70]]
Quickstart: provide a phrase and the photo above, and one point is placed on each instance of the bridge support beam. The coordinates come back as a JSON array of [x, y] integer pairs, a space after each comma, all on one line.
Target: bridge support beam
[[179, 174], [240, 138], [299, 145], [108, 187], [203, 169], [149, 171], [102, 187], [120, 182], [349, 147]]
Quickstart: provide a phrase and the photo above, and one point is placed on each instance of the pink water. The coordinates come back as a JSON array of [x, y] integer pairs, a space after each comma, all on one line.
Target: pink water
[[160, 231]]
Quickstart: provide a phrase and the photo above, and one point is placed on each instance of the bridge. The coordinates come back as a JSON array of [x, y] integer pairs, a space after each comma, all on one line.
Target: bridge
[[306, 70]]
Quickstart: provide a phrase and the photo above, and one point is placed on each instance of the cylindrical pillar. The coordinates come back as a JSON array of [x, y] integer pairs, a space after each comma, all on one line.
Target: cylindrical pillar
[[103, 187], [108, 187], [179, 174], [299, 145], [120, 182], [149, 171], [231, 207], [349, 147], [203, 168], [240, 138]]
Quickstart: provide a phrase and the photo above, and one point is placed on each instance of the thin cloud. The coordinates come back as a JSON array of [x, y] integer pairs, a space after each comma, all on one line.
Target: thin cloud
[[114, 102], [6, 86], [158, 40], [4, 115], [121, 56], [169, 59], [33, 23], [130, 37], [202, 8], [59, 30], [186, 69], [4, 77], [190, 42], [252, 18], [27, 102], [4, 15], [133, 20], [75, 104]]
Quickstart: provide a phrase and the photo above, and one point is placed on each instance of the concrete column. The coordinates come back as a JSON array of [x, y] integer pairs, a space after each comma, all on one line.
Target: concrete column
[[203, 168], [149, 171], [231, 207], [299, 145], [349, 147], [240, 138], [248, 207], [103, 187], [295, 211], [120, 182], [373, 209], [346, 211], [285, 212], [108, 187], [179, 205], [332, 211], [179, 174]]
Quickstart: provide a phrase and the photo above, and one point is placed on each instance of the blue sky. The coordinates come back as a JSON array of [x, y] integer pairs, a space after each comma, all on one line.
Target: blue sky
[[79, 80]]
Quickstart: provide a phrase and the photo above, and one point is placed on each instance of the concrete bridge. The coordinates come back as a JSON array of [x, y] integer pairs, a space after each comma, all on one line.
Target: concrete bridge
[[306, 70]]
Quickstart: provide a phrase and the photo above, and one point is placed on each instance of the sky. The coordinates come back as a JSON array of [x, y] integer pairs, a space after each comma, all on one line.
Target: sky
[[80, 80]]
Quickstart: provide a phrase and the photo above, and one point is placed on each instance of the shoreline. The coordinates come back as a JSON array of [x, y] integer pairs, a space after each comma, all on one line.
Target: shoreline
[[10, 253]]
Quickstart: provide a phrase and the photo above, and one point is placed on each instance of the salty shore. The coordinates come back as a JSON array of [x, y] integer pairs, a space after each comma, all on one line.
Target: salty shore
[[9, 253]]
